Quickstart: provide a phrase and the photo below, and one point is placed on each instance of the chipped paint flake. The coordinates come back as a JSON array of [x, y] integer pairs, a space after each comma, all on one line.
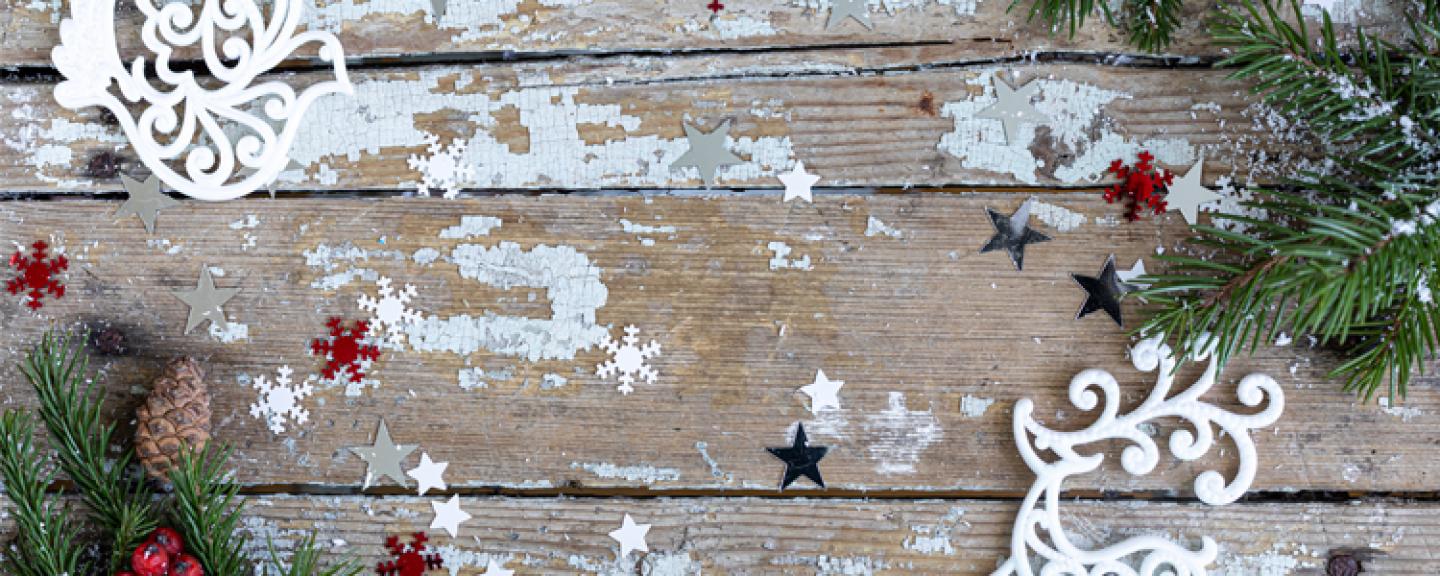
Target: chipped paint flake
[[780, 261], [900, 436], [1058, 217], [644, 474], [1404, 413], [472, 20], [1076, 125], [875, 227], [231, 332], [975, 407], [471, 227], [935, 538], [340, 264], [47, 141], [640, 229]]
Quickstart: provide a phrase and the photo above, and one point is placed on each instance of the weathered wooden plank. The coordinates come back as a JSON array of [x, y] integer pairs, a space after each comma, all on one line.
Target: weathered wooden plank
[[386, 28], [765, 536], [891, 117], [934, 341]]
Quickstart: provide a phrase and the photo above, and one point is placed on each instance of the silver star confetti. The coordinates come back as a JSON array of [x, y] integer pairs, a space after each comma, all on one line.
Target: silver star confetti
[[1012, 107], [842, 9], [1187, 193], [384, 457], [707, 152], [146, 200], [205, 302], [1012, 233]]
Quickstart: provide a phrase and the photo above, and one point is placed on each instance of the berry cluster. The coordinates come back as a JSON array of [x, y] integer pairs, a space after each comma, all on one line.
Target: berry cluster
[[1142, 186], [162, 554]]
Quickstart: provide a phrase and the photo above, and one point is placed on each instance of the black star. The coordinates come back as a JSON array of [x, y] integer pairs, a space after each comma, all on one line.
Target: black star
[[1012, 233], [1103, 293], [800, 459]]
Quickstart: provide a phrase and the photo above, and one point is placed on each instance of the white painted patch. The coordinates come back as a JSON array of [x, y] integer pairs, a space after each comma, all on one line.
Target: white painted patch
[[473, 20], [715, 470], [557, 156], [553, 381], [935, 539], [455, 558], [47, 141], [1058, 217], [961, 7], [900, 436], [1075, 113], [639, 229], [644, 474], [780, 262], [331, 259], [248, 222], [1275, 562], [875, 227], [975, 407], [471, 227], [232, 332], [670, 564], [1404, 413], [1351, 473], [425, 256], [472, 378], [572, 285]]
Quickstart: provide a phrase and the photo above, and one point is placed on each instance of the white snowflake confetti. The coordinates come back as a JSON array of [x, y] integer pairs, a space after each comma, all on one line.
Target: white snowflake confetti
[[391, 311], [280, 401], [444, 167], [627, 359]]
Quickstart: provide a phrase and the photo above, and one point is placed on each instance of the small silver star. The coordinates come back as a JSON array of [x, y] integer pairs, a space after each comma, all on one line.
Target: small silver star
[[707, 152], [205, 302], [1012, 107], [146, 200], [384, 457], [1187, 193], [842, 9], [1012, 234]]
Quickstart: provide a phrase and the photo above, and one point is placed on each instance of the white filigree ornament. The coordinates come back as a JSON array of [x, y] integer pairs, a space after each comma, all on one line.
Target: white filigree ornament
[[232, 135], [1039, 544]]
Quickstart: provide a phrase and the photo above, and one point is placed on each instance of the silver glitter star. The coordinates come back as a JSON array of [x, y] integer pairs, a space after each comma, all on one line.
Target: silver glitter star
[[1012, 107], [1187, 193], [842, 9], [205, 302], [1012, 233], [146, 200], [707, 152], [383, 458]]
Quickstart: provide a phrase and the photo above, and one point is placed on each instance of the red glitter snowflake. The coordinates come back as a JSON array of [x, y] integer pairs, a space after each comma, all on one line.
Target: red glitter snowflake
[[345, 349], [409, 558], [715, 6], [37, 274], [1142, 186]]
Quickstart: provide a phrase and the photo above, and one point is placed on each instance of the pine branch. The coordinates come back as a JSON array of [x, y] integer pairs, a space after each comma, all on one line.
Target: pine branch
[[305, 561], [70, 407], [207, 512], [49, 542], [1149, 24]]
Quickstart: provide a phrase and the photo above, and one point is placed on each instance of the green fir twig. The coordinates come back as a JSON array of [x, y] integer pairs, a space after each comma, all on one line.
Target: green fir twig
[[49, 541], [305, 561], [207, 509], [1149, 24]]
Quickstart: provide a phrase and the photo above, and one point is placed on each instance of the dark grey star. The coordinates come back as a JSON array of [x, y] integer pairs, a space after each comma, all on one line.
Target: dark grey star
[[800, 459], [205, 302], [842, 9], [146, 200], [1103, 292], [707, 152], [1012, 233]]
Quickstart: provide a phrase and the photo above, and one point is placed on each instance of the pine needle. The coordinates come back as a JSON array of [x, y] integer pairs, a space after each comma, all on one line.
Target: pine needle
[[207, 511], [48, 541]]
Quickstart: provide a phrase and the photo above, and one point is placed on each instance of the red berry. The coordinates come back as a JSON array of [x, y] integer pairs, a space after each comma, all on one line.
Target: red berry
[[168, 539], [124, 573], [186, 565], [150, 560]]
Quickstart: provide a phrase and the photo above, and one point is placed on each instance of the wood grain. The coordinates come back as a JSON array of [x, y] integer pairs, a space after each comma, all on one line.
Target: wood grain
[[913, 324], [767, 536], [894, 117]]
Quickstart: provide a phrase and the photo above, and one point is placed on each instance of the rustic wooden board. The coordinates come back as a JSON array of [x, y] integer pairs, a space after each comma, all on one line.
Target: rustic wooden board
[[382, 29], [834, 537], [923, 330], [862, 117]]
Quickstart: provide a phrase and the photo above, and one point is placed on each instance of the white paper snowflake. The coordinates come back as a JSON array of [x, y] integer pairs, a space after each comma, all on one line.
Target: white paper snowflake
[[391, 311], [280, 401], [627, 359], [444, 168]]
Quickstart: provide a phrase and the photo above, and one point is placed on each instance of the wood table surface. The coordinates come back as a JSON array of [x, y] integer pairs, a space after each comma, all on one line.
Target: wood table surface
[[572, 226]]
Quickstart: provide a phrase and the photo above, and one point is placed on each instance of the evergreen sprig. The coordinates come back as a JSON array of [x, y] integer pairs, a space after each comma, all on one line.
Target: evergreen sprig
[[70, 406], [49, 541], [1348, 257], [305, 561], [1149, 24], [207, 511]]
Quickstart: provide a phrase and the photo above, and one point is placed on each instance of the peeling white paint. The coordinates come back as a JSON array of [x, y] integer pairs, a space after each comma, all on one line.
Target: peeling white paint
[[1058, 217], [671, 564], [961, 7], [900, 435], [1404, 413], [553, 381], [715, 470], [644, 474], [875, 227], [455, 558], [331, 259], [975, 407], [231, 332], [639, 229], [557, 156], [1075, 112], [935, 539], [780, 262], [47, 141], [425, 256], [1275, 562], [248, 222], [473, 20], [471, 227]]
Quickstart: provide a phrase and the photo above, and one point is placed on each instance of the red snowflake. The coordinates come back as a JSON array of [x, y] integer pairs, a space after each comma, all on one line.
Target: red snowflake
[[409, 560], [1142, 186], [345, 349], [37, 274], [715, 6]]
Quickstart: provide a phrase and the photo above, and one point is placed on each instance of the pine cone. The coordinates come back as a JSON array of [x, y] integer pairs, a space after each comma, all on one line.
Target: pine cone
[[176, 414]]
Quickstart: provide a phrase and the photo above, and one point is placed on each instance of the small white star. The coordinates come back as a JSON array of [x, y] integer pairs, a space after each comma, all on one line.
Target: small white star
[[449, 515], [631, 536], [1187, 194], [428, 474], [1129, 276], [798, 183], [497, 569], [824, 393]]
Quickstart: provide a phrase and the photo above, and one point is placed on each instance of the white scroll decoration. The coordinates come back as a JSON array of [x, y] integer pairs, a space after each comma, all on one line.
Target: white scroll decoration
[[1039, 544], [232, 135]]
